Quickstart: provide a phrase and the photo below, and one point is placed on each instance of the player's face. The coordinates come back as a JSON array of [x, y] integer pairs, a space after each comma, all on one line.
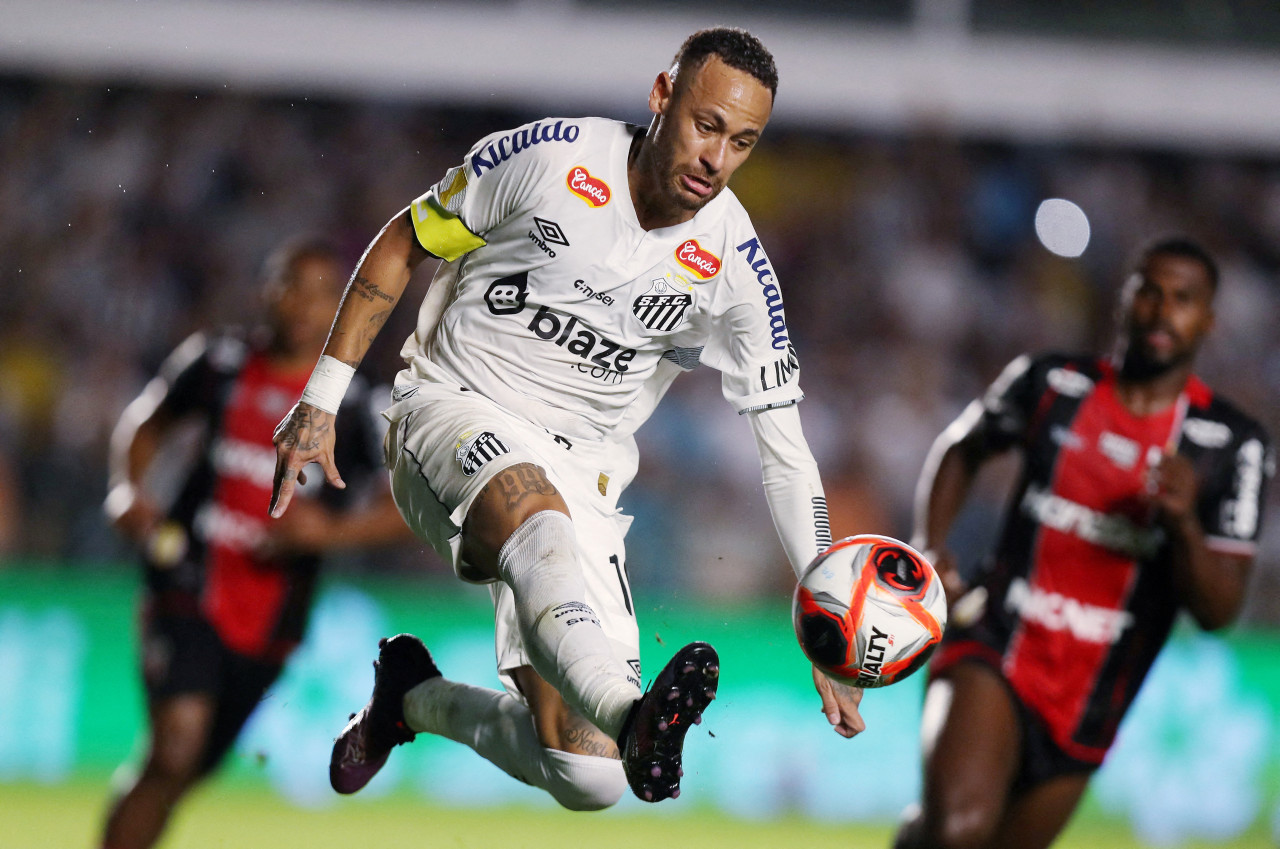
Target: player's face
[[707, 125], [303, 303], [1168, 309]]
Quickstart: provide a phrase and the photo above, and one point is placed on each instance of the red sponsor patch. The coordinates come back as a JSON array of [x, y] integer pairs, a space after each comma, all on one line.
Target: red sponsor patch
[[594, 191], [702, 263]]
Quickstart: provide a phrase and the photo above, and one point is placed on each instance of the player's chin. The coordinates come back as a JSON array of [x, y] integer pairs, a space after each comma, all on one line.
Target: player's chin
[[693, 202]]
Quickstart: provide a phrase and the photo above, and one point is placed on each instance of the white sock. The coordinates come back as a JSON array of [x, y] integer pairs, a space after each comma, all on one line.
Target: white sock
[[500, 729], [567, 647]]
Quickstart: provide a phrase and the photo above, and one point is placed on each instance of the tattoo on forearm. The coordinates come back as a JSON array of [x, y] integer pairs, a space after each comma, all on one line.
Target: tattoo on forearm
[[372, 326], [367, 290], [375, 323], [519, 482]]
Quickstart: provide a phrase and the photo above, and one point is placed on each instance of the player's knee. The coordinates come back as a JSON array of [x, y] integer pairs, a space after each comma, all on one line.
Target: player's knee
[[174, 762], [909, 830], [966, 827], [584, 782]]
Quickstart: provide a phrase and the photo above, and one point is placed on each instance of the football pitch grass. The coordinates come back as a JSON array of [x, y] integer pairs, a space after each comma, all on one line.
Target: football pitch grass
[[222, 816]]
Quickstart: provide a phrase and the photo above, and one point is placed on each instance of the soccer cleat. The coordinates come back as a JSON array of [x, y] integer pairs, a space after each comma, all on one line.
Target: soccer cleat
[[652, 738], [363, 746]]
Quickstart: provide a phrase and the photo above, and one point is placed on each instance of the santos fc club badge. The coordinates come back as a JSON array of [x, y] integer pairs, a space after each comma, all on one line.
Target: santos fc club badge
[[662, 308]]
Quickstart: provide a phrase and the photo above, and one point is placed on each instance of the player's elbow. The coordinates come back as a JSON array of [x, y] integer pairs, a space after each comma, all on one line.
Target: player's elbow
[[1215, 619]]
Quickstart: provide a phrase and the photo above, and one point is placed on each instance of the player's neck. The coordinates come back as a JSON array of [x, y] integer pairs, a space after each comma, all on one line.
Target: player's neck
[[1147, 394]]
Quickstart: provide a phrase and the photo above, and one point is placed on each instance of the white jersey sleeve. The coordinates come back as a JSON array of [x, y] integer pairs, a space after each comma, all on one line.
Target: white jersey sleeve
[[751, 346], [498, 175], [791, 485]]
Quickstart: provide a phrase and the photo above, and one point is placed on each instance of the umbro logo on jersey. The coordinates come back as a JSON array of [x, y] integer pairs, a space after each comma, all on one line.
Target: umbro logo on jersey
[[551, 232], [591, 189], [661, 308], [474, 451]]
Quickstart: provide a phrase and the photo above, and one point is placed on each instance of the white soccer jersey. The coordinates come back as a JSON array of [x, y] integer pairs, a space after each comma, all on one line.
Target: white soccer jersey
[[557, 305], [560, 307]]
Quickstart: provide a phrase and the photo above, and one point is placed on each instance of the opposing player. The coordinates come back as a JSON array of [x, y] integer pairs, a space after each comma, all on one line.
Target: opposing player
[[226, 592], [1140, 495], [587, 264]]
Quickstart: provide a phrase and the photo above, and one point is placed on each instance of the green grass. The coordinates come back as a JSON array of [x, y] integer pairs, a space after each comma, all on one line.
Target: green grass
[[223, 816]]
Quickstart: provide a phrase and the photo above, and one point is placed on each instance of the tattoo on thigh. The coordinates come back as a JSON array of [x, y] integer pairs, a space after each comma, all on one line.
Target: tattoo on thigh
[[519, 482]]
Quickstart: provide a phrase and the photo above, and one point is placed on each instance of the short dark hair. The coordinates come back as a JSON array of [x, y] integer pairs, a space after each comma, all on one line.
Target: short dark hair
[[736, 47], [289, 253], [1184, 248]]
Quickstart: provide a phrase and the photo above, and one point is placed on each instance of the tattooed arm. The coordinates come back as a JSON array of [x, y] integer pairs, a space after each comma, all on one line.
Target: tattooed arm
[[306, 434]]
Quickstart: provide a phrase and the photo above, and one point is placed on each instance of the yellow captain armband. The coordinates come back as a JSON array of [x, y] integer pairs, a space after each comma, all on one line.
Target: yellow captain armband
[[440, 231]]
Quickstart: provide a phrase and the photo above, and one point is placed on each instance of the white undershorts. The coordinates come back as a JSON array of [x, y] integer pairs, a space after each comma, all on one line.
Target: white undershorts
[[445, 444]]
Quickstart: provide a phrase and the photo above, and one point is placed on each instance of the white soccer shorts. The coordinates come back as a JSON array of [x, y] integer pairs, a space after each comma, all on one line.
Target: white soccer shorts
[[451, 443]]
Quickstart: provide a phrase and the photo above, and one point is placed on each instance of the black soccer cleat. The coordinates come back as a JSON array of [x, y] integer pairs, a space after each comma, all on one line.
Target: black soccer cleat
[[652, 738], [363, 746]]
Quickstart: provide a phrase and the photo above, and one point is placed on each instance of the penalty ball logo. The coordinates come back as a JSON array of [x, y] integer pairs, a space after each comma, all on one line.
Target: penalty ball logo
[[873, 660]]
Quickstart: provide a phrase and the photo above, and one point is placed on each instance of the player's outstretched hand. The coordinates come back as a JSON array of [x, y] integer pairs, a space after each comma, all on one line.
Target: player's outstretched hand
[[304, 436], [840, 704], [944, 563]]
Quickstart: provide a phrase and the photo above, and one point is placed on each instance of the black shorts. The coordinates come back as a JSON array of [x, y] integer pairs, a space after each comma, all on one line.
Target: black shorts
[[182, 654], [1042, 759]]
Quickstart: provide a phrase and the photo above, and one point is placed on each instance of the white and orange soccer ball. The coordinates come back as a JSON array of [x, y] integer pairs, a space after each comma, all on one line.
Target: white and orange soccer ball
[[869, 610]]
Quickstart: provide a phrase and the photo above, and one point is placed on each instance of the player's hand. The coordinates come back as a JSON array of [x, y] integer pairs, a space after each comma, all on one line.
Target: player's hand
[[840, 704], [1173, 487], [944, 563], [304, 436], [132, 513]]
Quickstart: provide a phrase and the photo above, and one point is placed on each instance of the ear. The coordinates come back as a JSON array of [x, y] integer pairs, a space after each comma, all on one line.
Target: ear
[[660, 94]]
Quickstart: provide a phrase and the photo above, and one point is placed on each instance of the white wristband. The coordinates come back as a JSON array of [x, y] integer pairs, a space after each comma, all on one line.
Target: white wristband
[[328, 384]]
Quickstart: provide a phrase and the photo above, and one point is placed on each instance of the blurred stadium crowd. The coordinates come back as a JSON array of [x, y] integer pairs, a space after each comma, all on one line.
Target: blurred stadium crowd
[[911, 271]]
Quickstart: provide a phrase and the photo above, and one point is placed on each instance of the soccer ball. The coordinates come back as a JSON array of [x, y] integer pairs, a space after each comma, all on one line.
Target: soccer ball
[[869, 610]]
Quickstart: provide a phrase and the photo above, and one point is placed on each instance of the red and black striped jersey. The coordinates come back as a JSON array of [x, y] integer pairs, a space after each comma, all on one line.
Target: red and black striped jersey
[[257, 603], [1080, 596]]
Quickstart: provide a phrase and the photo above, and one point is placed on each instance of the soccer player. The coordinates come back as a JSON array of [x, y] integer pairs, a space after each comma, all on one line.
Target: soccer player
[[1140, 495], [226, 591], [587, 263]]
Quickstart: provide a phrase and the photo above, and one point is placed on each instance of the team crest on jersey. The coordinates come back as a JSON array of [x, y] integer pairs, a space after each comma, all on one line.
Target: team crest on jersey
[[701, 262], [662, 308], [474, 450], [591, 189]]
